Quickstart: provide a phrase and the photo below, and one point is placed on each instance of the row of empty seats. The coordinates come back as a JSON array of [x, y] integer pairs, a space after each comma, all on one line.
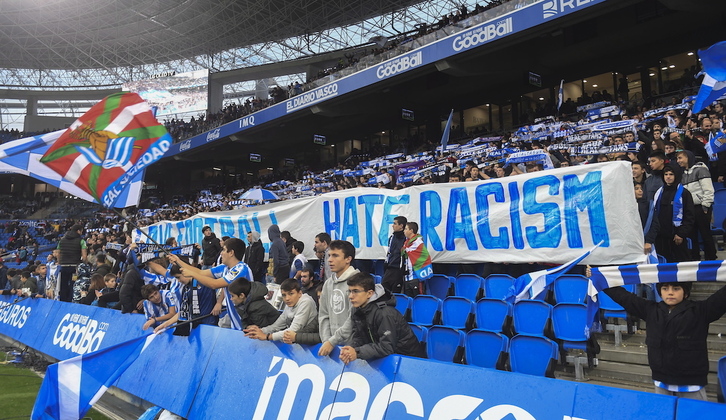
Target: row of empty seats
[[533, 355], [568, 288], [565, 322]]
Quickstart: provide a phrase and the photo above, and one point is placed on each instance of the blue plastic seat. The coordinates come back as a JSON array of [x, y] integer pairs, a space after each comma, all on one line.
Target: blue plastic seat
[[493, 315], [497, 286], [425, 310], [469, 286], [532, 317], [445, 344], [421, 332], [719, 213], [532, 355], [438, 285], [457, 312], [486, 349], [403, 304], [571, 288], [379, 266], [570, 321], [377, 278], [609, 308]]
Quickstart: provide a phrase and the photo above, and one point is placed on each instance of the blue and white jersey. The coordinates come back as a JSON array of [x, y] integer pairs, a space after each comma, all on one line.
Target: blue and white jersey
[[229, 275], [153, 310], [176, 287], [153, 278]]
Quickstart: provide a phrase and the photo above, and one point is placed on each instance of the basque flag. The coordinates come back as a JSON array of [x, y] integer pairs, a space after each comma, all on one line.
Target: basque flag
[[72, 386]]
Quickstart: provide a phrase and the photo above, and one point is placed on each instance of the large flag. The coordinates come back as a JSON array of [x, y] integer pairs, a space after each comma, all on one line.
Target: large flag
[[534, 285], [101, 157], [72, 386], [713, 86], [447, 132], [23, 156]]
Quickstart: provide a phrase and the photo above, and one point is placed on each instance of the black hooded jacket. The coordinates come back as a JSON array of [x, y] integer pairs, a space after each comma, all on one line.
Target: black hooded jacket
[[256, 310], [379, 330], [676, 338], [665, 208]]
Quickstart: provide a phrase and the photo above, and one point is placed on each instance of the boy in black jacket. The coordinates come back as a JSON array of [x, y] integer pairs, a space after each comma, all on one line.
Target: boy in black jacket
[[676, 332], [379, 329]]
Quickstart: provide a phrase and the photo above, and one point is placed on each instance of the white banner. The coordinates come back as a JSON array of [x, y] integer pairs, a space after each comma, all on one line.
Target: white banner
[[551, 216]]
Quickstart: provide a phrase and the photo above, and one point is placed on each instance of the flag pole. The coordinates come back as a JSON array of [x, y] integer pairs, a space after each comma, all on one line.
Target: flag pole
[[15, 302], [189, 321], [161, 248]]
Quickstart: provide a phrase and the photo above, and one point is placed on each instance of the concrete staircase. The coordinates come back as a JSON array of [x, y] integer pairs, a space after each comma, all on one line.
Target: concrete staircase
[[626, 366]]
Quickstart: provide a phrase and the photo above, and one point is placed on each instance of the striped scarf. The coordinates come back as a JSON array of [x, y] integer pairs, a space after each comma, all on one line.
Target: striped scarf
[[677, 204]]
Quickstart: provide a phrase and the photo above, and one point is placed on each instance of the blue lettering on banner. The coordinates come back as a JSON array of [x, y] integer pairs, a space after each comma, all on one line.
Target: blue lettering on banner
[[552, 232], [388, 217], [488, 240], [332, 227], [226, 225], [581, 196], [515, 216], [561, 210], [350, 222], [430, 218], [243, 226], [459, 203], [369, 202]]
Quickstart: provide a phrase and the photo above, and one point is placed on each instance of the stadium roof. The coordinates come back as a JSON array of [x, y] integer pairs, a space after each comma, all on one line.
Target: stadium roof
[[88, 34]]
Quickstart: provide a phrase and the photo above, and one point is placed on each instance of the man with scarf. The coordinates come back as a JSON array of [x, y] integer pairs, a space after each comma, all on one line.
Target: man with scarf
[[697, 180], [673, 206], [417, 259]]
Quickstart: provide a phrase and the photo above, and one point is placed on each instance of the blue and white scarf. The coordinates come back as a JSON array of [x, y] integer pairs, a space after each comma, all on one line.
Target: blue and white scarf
[[677, 204]]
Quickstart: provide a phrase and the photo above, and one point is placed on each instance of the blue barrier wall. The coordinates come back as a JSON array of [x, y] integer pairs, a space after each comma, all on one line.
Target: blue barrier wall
[[218, 373]]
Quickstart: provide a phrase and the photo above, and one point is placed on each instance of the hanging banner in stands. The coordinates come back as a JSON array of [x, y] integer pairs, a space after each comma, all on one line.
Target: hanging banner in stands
[[517, 20], [196, 377], [521, 218]]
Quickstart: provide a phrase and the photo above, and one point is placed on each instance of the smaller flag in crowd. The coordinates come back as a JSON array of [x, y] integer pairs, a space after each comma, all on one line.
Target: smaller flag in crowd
[[713, 87]]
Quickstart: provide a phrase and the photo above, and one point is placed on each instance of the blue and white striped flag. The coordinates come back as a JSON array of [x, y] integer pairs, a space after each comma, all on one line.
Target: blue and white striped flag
[[613, 276], [534, 285], [72, 386], [605, 277], [560, 95], [23, 157], [713, 86]]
